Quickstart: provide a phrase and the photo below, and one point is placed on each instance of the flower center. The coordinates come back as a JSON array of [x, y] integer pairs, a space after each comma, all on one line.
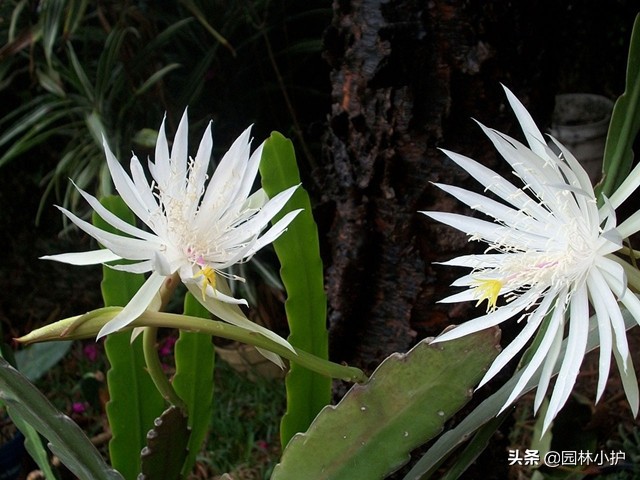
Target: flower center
[[566, 261], [209, 279], [487, 289]]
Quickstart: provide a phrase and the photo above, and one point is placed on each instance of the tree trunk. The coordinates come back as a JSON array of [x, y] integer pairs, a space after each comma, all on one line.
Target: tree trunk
[[407, 76]]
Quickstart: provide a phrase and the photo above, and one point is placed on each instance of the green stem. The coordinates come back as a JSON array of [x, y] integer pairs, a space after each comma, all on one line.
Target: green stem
[[624, 142], [87, 326], [154, 367]]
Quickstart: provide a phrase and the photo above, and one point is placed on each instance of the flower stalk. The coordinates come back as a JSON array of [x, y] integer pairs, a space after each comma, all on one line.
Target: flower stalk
[[154, 367], [86, 326]]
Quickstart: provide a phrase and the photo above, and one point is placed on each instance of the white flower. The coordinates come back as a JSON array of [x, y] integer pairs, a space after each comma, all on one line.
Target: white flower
[[193, 230], [549, 256]]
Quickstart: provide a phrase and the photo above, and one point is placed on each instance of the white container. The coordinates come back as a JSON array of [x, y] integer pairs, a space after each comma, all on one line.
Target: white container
[[580, 122]]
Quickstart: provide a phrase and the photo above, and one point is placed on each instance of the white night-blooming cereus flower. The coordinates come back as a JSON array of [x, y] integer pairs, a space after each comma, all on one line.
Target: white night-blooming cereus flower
[[193, 229], [549, 256]]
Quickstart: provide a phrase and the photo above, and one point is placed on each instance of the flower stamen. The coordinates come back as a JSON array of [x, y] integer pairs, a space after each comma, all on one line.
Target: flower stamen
[[488, 289], [209, 275]]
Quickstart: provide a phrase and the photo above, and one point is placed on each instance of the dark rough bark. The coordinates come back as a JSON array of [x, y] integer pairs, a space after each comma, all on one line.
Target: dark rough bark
[[406, 77], [391, 92]]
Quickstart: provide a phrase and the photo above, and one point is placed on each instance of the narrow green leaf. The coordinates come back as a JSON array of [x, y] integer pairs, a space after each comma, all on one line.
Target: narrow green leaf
[[109, 58], [33, 444], [166, 449], [83, 83], [193, 381], [405, 403], [66, 439], [52, 13], [156, 77], [74, 16], [95, 127], [625, 121], [16, 11], [134, 401], [201, 17], [37, 115], [475, 447], [50, 81], [302, 275], [32, 440]]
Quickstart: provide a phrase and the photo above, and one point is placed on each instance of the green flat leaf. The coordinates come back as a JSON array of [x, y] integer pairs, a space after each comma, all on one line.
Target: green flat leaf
[[302, 275], [32, 440], [34, 446], [66, 439], [625, 121], [193, 381], [109, 58], [134, 400], [486, 412], [166, 449], [36, 360], [406, 402], [156, 77], [52, 15]]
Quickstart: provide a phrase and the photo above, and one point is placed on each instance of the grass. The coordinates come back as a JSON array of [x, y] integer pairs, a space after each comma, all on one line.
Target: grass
[[244, 434], [244, 438]]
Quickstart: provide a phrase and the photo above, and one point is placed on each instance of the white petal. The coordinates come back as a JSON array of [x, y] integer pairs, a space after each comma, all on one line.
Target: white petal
[[488, 260], [533, 322], [274, 232], [506, 215], [629, 380], [161, 170], [498, 185], [272, 357], [630, 226], [198, 173], [614, 274], [540, 355], [225, 181], [129, 248], [601, 303], [485, 321], [140, 267], [125, 187], [233, 315], [180, 154], [575, 168], [464, 296], [84, 258], [549, 362], [626, 188], [116, 221], [250, 173], [630, 300], [142, 185], [136, 306], [604, 295], [221, 297], [576, 345], [531, 132], [490, 232], [259, 221]]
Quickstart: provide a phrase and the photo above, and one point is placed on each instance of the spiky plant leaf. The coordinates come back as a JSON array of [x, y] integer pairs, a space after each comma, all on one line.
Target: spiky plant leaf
[[166, 450], [405, 403], [134, 400], [302, 275]]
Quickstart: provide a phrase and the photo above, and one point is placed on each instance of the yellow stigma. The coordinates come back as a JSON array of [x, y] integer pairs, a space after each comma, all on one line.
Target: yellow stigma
[[488, 289], [209, 275]]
